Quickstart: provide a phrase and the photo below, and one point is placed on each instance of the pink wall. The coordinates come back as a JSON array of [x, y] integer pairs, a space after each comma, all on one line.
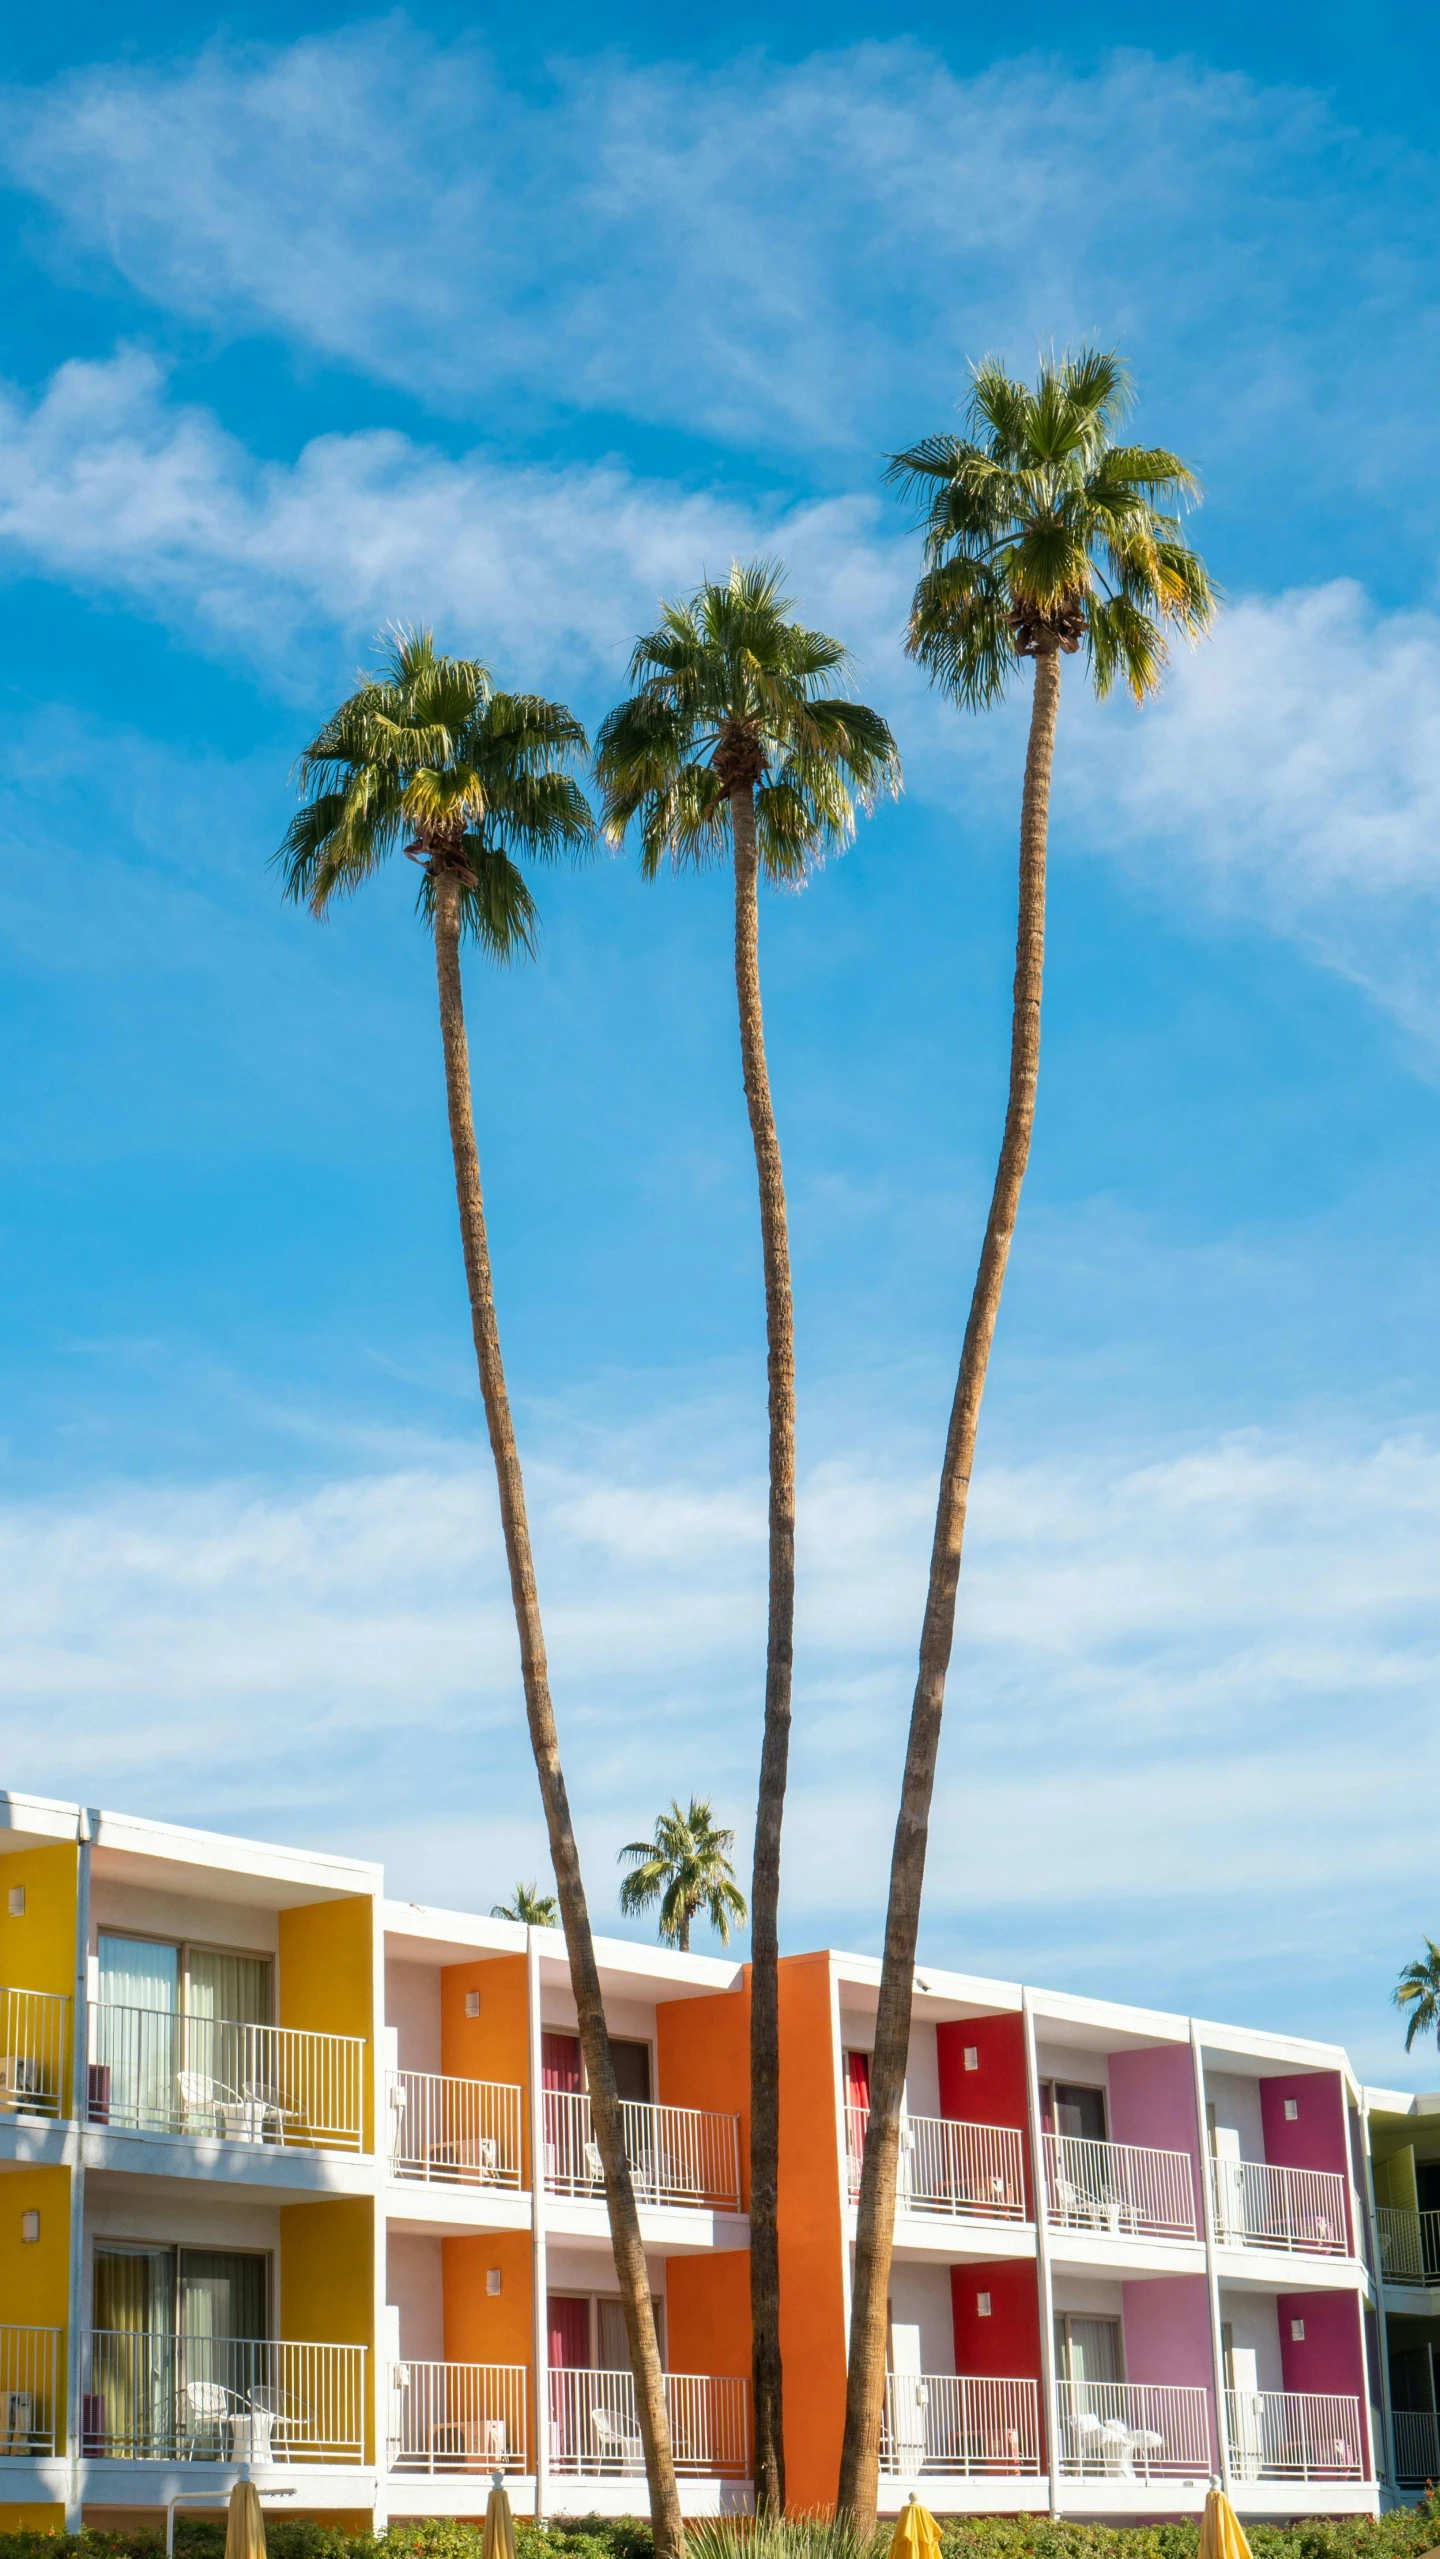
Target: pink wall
[[1167, 2333], [1328, 2356], [1152, 2103], [1317, 2138]]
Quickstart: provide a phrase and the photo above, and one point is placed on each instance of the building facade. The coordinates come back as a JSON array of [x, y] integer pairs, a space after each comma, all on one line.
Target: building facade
[[301, 2179]]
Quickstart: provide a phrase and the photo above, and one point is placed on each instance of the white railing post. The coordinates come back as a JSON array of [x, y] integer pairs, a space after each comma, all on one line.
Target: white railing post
[[1212, 2278], [1044, 2275]]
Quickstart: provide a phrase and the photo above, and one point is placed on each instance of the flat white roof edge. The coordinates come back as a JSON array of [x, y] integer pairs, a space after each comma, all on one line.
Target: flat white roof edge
[[139, 1835]]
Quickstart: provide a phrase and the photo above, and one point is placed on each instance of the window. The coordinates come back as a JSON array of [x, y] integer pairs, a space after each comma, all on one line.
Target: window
[[175, 2033], [1077, 2113], [560, 2064], [588, 2330], [632, 2071], [857, 2081], [178, 2344], [562, 2070], [1087, 2349]]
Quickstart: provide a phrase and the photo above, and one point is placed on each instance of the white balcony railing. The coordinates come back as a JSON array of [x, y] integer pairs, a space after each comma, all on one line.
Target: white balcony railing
[[153, 2071], [972, 2428], [32, 2053], [1409, 2245], [1417, 2447], [159, 2398], [595, 2427], [454, 2131], [1113, 2186], [948, 2167], [29, 2361], [1294, 2434], [1300, 2210], [457, 2417], [677, 2154], [1134, 2429]]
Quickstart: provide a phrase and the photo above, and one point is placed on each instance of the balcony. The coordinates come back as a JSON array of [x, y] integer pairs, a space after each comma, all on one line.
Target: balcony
[[1134, 2430], [29, 2362], [1294, 2434], [181, 2398], [1417, 2447], [595, 2427], [1112, 2187], [454, 2132], [446, 2417], [970, 2428], [677, 2154], [948, 2167], [1409, 2246], [1299, 2210], [32, 2054], [154, 2071]]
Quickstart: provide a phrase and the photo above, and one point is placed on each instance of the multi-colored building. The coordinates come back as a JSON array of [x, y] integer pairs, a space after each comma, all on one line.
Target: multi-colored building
[[298, 2178]]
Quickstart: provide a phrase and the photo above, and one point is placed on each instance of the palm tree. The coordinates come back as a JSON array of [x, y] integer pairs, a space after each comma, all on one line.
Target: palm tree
[[1418, 1990], [686, 1868], [1043, 535], [730, 740], [428, 757], [529, 1905]]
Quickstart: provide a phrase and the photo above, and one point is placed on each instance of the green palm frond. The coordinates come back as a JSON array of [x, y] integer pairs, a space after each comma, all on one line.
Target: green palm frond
[[427, 756], [1039, 522], [1418, 1989], [730, 662], [530, 1906], [686, 1869]]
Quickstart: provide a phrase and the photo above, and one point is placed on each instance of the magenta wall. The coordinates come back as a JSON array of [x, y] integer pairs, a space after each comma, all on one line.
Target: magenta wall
[[1152, 2103], [1317, 2138], [1329, 2355], [1167, 2332]]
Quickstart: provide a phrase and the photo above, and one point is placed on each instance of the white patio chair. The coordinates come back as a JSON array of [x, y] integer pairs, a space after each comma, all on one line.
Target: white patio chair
[[17, 2419], [284, 2418], [199, 2101], [594, 2164], [612, 2443], [208, 2406]]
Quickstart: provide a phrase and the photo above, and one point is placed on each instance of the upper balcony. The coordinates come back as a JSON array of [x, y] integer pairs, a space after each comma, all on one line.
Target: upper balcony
[[1119, 2189], [1409, 2245], [158, 2071], [454, 2132], [947, 2167], [32, 2054], [151, 2397], [32, 2418], [677, 2154], [1300, 2211]]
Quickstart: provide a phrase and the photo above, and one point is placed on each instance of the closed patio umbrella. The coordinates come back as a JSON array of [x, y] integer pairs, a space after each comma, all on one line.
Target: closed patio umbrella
[[245, 2525], [1220, 2533], [499, 2540], [917, 2534]]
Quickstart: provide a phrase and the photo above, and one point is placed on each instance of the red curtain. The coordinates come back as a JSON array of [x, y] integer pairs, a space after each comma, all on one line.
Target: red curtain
[[560, 2063], [569, 2333], [857, 2080]]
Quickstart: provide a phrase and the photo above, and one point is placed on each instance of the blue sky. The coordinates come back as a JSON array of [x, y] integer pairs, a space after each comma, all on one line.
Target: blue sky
[[328, 319]]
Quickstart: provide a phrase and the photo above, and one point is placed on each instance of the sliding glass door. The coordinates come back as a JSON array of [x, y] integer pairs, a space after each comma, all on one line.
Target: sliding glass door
[[178, 2352]]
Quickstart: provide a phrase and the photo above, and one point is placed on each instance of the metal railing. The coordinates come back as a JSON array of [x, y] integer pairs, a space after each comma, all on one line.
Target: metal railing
[[1134, 2429], [29, 2360], [970, 2427], [1294, 2434], [174, 2398], [454, 2131], [1301, 2210], [457, 2417], [595, 2427], [151, 2070], [1113, 2186], [948, 2167], [677, 2154], [32, 2053], [1417, 2447], [1409, 2245]]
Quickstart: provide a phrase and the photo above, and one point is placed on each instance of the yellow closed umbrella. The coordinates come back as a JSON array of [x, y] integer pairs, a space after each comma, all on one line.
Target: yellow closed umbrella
[[245, 2525], [499, 2540], [917, 2534], [1220, 2533]]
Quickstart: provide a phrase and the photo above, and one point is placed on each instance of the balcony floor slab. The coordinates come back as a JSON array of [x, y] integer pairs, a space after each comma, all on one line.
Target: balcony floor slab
[[283, 2486], [677, 2229], [955, 2237], [1275, 2270], [952, 2493], [420, 2205], [267, 2166], [1109, 2252]]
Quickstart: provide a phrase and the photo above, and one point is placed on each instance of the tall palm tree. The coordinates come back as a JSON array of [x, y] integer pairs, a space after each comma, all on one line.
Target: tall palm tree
[[737, 736], [1418, 1990], [1043, 535], [529, 1905], [686, 1868], [429, 758]]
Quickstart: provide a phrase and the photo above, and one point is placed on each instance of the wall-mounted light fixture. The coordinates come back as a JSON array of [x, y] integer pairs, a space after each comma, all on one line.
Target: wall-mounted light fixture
[[972, 2056], [17, 1901], [29, 2227], [1297, 2331], [472, 2003], [1292, 2110], [982, 2305], [492, 2278]]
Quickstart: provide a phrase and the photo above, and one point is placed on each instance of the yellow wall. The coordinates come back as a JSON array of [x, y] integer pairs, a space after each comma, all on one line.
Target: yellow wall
[[1395, 2181], [32, 2518], [496, 2044], [327, 2278], [327, 1977], [38, 1951], [35, 2274]]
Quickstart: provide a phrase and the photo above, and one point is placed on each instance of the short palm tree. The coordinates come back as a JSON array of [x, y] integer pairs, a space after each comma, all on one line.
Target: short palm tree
[[738, 738], [1418, 1991], [529, 1905], [686, 1869], [426, 757], [1044, 535]]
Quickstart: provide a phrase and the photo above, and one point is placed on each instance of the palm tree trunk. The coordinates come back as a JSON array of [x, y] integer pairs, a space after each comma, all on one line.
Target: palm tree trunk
[[779, 1661], [875, 2231], [584, 1976]]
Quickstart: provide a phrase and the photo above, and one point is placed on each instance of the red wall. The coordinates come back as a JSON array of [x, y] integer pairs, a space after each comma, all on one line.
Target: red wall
[[1328, 2356], [1006, 2346], [1317, 2138], [993, 2094]]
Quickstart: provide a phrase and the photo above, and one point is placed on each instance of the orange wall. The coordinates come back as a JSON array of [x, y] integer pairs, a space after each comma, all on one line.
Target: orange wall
[[703, 2059], [496, 2044], [707, 2313], [327, 1977], [812, 2235], [491, 2328]]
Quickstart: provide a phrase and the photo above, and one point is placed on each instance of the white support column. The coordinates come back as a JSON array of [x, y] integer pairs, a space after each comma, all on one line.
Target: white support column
[[79, 2108], [1043, 2277], [377, 2373], [1382, 2456], [1212, 2280], [539, 2278]]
